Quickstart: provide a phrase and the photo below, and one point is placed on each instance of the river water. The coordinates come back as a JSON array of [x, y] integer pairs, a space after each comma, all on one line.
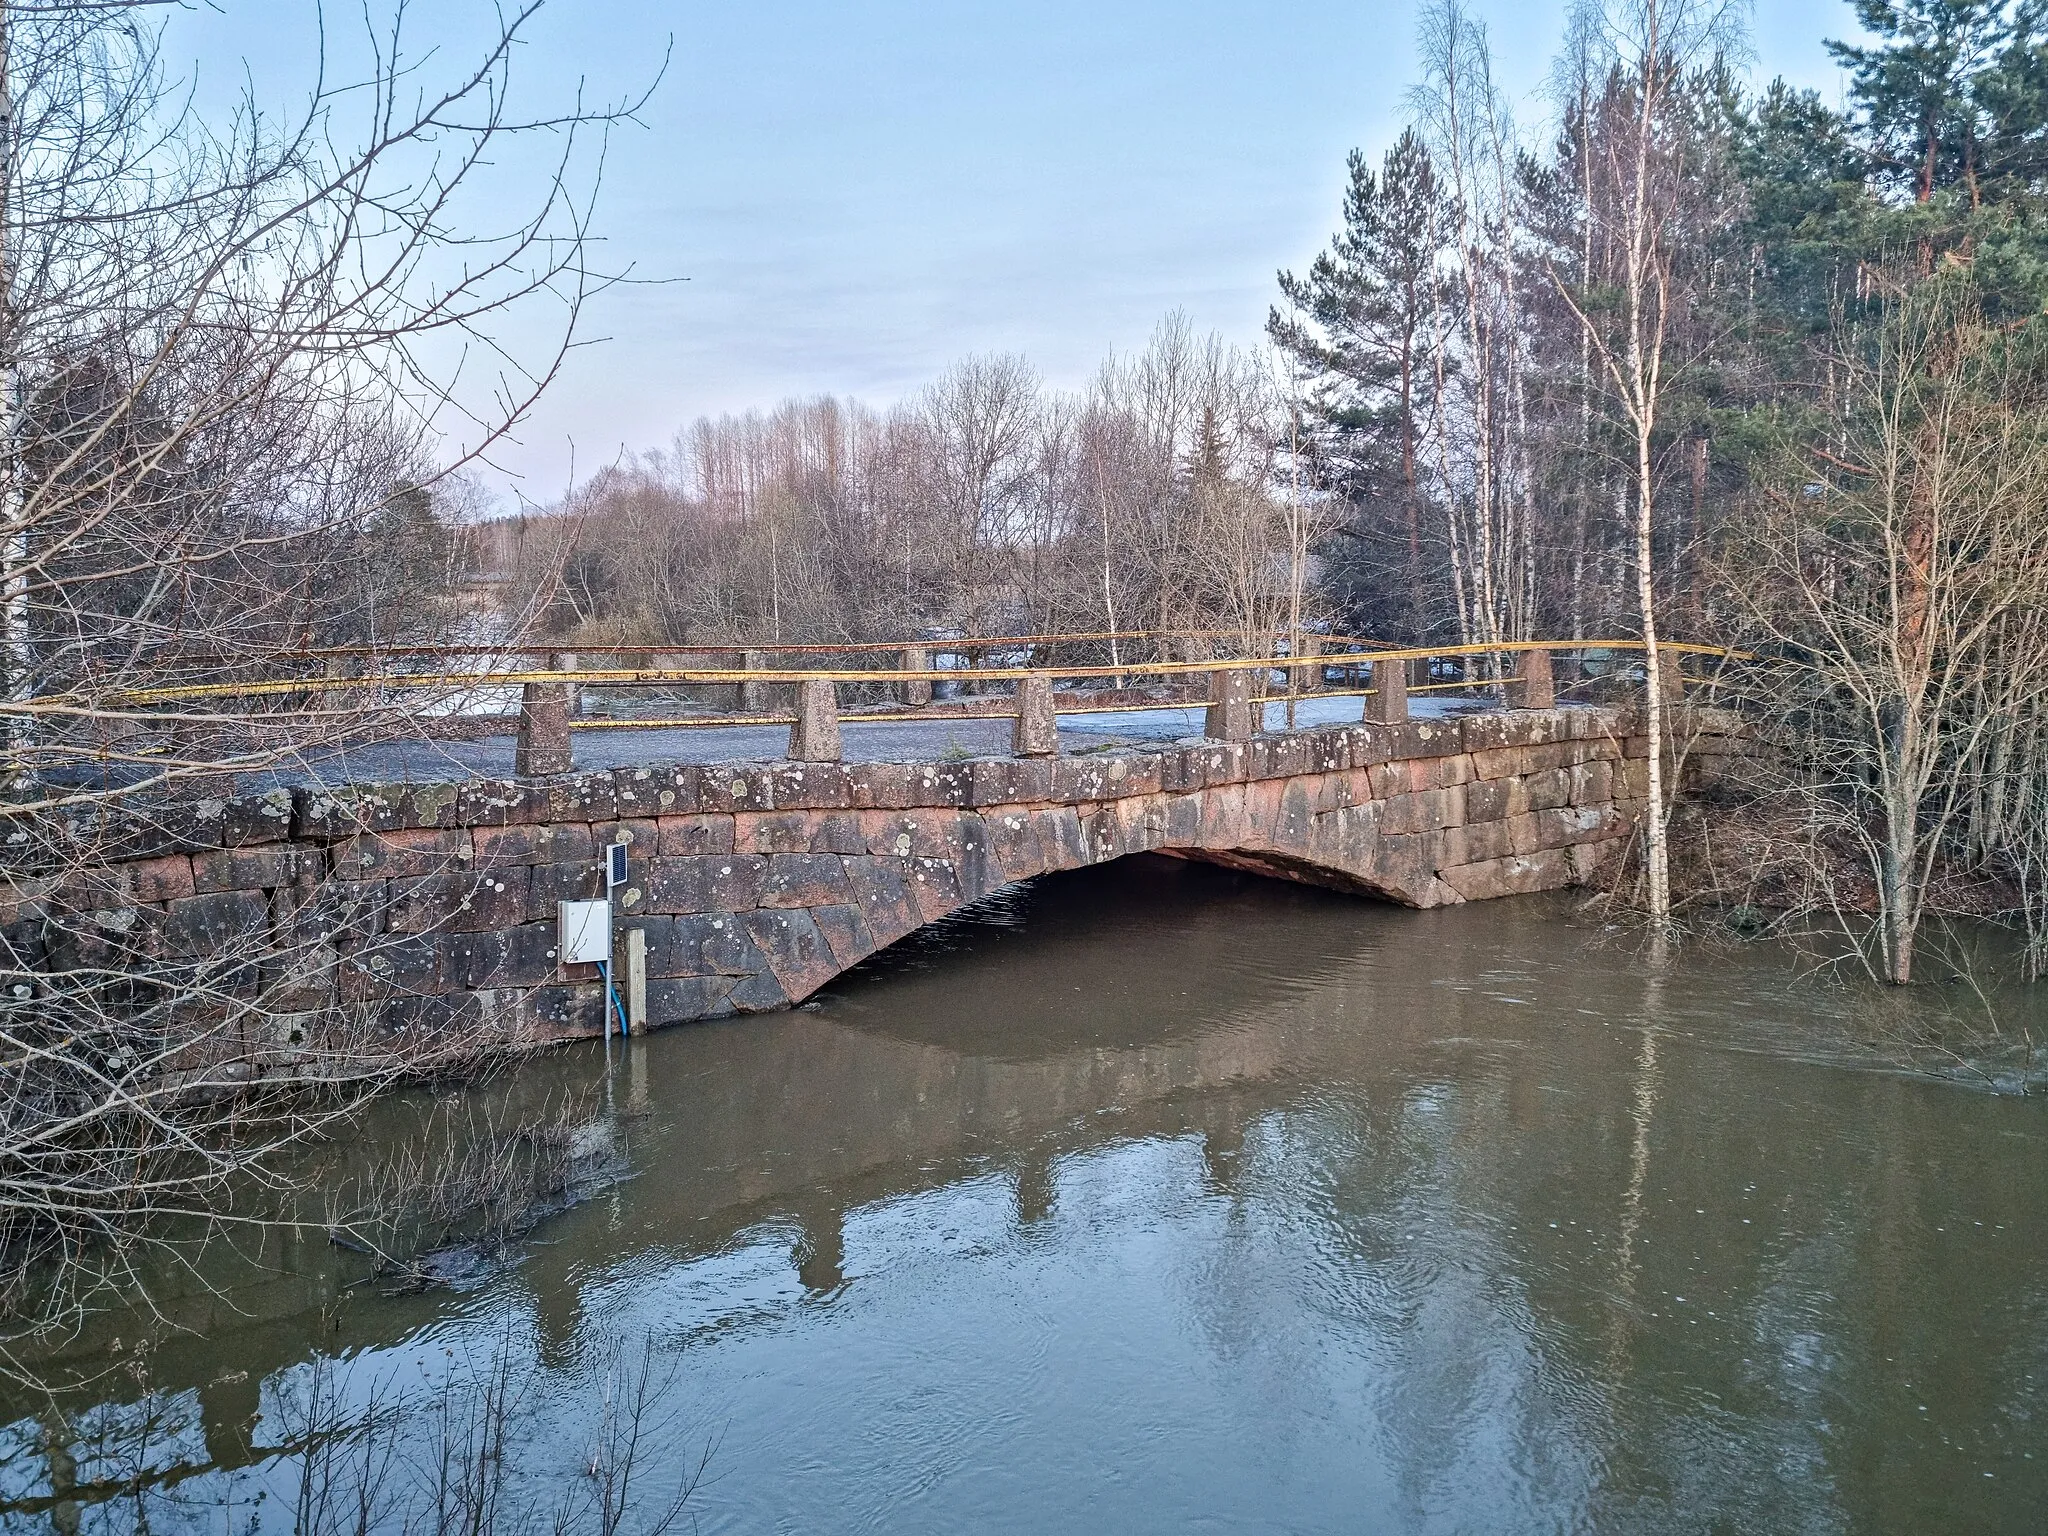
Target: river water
[[1163, 1198]]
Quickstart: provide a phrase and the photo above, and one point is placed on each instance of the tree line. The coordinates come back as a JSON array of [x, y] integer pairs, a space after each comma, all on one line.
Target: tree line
[[1674, 355]]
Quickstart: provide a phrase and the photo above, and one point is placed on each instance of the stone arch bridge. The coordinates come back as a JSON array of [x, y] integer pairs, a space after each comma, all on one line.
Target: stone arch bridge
[[752, 885]]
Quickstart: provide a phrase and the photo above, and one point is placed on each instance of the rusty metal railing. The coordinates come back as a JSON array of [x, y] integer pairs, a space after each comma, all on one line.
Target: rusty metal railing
[[1238, 688]]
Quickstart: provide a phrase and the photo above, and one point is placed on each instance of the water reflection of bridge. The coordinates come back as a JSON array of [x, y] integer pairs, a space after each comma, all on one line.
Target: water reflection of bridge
[[1562, 1183]]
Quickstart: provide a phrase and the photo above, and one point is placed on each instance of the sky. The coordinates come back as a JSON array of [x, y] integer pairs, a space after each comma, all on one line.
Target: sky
[[825, 197]]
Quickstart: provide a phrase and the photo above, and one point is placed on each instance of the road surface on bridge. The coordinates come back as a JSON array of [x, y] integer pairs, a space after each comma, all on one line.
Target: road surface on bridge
[[932, 740]]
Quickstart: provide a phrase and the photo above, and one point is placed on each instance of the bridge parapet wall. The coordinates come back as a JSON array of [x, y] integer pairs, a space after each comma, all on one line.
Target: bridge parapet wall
[[755, 884]]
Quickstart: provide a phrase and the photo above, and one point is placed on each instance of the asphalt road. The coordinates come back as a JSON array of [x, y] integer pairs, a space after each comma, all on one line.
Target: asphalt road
[[902, 741]]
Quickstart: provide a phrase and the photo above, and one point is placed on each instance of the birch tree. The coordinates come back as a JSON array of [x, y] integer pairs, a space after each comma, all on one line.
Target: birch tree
[[1645, 161]]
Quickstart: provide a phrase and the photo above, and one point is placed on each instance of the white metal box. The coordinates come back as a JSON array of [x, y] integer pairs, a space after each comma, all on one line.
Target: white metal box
[[583, 930]]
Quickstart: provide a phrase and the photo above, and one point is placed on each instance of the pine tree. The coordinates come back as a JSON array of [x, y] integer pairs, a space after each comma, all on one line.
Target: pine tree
[[1919, 86], [1356, 324]]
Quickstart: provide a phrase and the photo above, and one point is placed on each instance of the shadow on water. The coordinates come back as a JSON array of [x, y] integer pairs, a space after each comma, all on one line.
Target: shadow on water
[[1162, 1195]]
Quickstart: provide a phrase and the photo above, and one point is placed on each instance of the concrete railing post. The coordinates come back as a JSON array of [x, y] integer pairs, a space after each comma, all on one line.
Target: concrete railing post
[[1036, 732], [917, 692], [753, 692], [543, 747], [1670, 674], [1535, 686], [1230, 706], [565, 661], [814, 737], [1387, 704], [1310, 679]]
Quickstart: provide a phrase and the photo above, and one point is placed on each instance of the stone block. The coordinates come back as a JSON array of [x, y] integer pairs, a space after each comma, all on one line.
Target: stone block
[[1386, 780], [1592, 783], [904, 835], [496, 803], [1105, 835], [250, 868], [707, 883], [543, 747], [1516, 875], [1136, 773], [533, 843], [119, 938], [1594, 863], [1476, 842], [1525, 833], [1224, 764], [942, 784], [1012, 839], [1180, 770], [805, 880], [664, 791], [640, 834], [1535, 686], [776, 831], [976, 866], [1182, 821], [935, 887], [1544, 790], [846, 931], [331, 911], [1329, 749], [1293, 815], [882, 786], [797, 951], [1225, 822], [915, 693], [685, 999], [1387, 700], [1334, 791], [758, 993], [459, 903], [992, 781], [264, 818], [343, 812], [567, 1010], [1428, 810], [552, 883], [1509, 762], [418, 851], [523, 956], [676, 836], [102, 885], [735, 787], [427, 1019], [810, 785], [198, 927], [1563, 826], [1076, 780], [1489, 800], [881, 887], [704, 944], [1495, 730], [390, 966]]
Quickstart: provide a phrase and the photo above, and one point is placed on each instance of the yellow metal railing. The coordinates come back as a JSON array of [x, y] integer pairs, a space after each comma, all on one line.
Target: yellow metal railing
[[612, 677]]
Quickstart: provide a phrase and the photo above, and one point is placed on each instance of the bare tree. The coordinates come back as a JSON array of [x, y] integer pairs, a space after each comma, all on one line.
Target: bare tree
[[1652, 44], [1895, 572], [231, 352]]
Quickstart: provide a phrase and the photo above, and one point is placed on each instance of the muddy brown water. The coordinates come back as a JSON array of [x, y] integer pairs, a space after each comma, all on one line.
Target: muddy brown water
[[1164, 1198]]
